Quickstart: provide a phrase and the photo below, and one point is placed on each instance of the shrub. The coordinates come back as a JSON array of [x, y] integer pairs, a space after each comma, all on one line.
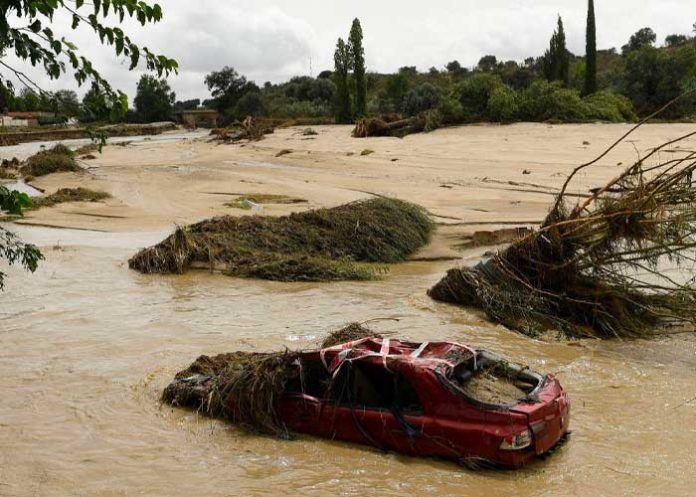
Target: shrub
[[421, 98], [544, 101], [474, 92], [450, 111], [608, 106], [503, 105]]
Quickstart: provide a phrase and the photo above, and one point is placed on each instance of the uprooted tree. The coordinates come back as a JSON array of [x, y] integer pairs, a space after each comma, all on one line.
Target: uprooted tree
[[619, 264]]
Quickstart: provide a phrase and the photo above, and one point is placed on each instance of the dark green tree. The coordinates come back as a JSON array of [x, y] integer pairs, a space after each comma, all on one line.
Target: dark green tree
[[590, 51], [154, 99], [227, 86], [642, 37], [342, 66], [557, 59], [676, 40], [66, 103], [7, 98], [95, 105], [355, 43], [488, 63]]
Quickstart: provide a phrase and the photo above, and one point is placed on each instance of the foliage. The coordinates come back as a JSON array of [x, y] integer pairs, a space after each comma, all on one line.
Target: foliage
[[227, 87], [358, 64], [250, 104], [420, 98], [474, 92], [342, 67], [154, 99], [655, 77], [503, 104], [12, 249], [544, 101], [608, 106], [641, 38], [676, 40], [26, 30], [590, 85], [556, 61], [96, 106], [488, 63], [187, 104]]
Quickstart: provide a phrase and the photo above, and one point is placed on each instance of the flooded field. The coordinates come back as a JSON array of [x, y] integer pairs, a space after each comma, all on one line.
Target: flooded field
[[87, 345]]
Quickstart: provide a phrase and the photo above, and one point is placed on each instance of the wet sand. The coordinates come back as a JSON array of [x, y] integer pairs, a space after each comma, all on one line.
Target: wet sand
[[87, 345]]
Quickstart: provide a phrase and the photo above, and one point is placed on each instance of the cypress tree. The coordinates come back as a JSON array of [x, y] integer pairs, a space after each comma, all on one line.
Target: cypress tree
[[590, 51], [358, 62], [556, 58], [342, 65]]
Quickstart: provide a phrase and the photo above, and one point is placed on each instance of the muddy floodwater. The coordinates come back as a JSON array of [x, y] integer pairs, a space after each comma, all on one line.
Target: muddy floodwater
[[86, 345]]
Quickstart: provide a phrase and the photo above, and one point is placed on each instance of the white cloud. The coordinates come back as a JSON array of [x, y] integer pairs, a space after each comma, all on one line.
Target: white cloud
[[274, 40]]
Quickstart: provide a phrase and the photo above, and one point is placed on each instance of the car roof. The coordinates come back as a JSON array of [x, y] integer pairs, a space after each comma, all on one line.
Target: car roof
[[394, 354]]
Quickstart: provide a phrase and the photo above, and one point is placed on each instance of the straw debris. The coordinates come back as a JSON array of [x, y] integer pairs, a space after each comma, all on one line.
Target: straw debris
[[244, 387], [59, 158], [349, 242], [602, 268], [64, 195]]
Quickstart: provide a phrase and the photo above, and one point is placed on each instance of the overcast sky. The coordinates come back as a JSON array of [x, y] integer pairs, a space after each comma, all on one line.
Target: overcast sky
[[273, 40]]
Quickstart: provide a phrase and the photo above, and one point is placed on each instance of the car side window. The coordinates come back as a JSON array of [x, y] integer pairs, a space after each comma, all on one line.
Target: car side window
[[368, 386]]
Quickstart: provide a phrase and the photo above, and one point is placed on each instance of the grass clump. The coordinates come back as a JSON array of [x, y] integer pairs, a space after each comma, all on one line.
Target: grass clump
[[245, 201], [59, 158], [283, 152], [349, 242], [367, 151], [64, 195]]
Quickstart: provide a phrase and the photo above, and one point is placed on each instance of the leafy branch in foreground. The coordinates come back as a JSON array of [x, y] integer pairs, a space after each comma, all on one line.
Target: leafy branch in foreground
[[11, 247], [25, 30]]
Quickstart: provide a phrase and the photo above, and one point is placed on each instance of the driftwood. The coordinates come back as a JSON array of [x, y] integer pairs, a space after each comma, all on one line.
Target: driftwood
[[383, 126], [250, 130]]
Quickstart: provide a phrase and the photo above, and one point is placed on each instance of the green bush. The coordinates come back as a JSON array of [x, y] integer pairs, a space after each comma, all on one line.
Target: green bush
[[503, 105], [474, 92], [421, 98], [608, 106], [544, 101], [450, 111]]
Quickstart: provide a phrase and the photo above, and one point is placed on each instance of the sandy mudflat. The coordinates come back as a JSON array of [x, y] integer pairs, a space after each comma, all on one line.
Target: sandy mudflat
[[468, 174]]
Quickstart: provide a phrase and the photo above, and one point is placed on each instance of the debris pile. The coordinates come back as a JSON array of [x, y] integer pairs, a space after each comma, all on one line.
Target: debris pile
[[244, 387], [64, 195], [349, 242], [58, 158], [602, 268], [251, 129]]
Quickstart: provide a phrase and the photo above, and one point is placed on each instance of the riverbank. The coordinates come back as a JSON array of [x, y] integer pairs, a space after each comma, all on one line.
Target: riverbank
[[15, 137]]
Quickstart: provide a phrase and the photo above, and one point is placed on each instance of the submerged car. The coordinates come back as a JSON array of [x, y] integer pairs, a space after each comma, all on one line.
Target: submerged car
[[432, 399]]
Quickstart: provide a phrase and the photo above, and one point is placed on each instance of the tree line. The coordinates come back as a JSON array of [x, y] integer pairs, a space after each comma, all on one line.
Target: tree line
[[614, 85]]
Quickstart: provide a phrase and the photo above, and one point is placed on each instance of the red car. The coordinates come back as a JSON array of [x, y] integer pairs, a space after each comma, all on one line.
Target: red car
[[432, 399]]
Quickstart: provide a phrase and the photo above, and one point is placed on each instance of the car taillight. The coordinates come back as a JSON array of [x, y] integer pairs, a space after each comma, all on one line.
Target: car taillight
[[517, 442]]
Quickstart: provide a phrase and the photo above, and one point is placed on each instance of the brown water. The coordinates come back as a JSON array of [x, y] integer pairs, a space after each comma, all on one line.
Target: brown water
[[87, 345]]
